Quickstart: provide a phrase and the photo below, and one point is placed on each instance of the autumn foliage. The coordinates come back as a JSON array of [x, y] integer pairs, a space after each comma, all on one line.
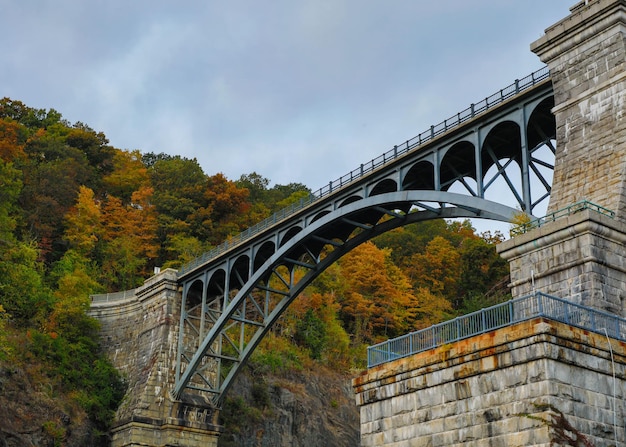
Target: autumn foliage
[[79, 216]]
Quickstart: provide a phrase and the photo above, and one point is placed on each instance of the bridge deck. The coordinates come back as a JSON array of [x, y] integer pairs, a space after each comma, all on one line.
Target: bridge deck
[[421, 140]]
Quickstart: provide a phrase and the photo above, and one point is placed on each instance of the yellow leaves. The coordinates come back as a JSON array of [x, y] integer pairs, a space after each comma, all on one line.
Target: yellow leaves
[[431, 309], [438, 268], [84, 227], [128, 176], [377, 296]]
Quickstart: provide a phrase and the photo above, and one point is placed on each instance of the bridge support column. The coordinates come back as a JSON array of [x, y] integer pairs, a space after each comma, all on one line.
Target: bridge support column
[[586, 55], [580, 257], [139, 332]]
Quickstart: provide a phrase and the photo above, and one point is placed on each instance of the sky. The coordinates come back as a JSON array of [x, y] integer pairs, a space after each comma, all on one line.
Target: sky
[[298, 91]]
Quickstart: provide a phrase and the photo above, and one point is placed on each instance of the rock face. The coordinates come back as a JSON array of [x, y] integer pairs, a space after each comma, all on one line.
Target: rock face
[[305, 409], [30, 417]]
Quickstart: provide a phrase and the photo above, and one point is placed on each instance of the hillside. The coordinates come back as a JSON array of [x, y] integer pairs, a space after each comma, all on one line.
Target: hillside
[[79, 216]]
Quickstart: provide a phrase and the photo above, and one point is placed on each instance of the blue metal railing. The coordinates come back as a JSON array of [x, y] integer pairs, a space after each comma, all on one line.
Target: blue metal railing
[[430, 134], [495, 317], [551, 217]]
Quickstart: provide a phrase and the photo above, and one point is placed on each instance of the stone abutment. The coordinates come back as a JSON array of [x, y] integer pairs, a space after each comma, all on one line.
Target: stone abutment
[[139, 332]]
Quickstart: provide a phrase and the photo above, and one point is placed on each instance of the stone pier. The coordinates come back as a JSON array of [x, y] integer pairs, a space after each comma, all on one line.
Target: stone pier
[[500, 389], [139, 332], [581, 257], [586, 55]]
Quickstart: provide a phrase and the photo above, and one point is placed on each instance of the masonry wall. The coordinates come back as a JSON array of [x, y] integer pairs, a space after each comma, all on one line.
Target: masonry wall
[[139, 333], [586, 54], [579, 258], [481, 391]]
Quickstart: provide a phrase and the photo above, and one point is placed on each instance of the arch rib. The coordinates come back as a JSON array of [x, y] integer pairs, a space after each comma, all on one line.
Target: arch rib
[[210, 349]]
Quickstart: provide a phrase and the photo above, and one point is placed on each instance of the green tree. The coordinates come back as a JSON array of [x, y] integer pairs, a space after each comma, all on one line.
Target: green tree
[[311, 333], [10, 187], [23, 293], [178, 192], [482, 269]]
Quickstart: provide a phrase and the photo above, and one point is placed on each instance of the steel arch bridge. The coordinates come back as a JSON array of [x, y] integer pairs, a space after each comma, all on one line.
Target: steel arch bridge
[[489, 161]]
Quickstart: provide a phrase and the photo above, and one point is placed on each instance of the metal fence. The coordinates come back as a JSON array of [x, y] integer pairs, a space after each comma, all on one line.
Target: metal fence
[[398, 150], [115, 296], [551, 217], [501, 315]]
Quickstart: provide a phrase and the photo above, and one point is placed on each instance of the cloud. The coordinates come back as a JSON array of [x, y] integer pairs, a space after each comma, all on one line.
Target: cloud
[[296, 91]]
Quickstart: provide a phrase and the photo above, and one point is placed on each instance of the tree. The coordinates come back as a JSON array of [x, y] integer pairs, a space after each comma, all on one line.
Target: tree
[[23, 293], [10, 187], [378, 301], [406, 241], [83, 222], [481, 268], [224, 210], [179, 185], [75, 283], [11, 141], [182, 250], [128, 175], [52, 175], [437, 269], [130, 239], [431, 309], [311, 333], [94, 145], [28, 116]]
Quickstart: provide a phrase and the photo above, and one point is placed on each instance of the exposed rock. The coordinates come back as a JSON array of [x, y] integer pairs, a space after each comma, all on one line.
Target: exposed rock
[[31, 415], [304, 409]]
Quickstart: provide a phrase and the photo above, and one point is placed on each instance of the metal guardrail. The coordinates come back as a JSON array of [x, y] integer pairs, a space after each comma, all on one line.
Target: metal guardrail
[[495, 317], [115, 296], [551, 217], [398, 150]]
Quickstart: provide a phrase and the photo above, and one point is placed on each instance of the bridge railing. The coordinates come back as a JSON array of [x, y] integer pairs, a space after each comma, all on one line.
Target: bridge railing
[[115, 296], [495, 317], [398, 150], [551, 217]]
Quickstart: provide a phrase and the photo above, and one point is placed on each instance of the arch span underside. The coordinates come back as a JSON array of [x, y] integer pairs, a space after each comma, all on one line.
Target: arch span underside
[[491, 169]]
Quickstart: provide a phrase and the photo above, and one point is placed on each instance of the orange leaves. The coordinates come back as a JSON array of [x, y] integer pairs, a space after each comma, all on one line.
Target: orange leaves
[[10, 146], [376, 297], [130, 235]]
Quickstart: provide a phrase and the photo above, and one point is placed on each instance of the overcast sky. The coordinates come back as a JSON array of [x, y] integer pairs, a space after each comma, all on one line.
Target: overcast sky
[[296, 90]]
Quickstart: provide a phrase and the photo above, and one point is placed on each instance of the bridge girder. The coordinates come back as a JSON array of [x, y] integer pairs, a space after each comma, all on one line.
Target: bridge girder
[[231, 300]]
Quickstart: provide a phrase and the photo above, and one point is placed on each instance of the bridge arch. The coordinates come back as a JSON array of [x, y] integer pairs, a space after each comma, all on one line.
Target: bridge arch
[[261, 298], [420, 175], [415, 181], [384, 186], [459, 163]]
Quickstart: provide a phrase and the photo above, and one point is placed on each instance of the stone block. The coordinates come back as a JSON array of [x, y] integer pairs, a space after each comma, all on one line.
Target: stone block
[[569, 367]]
